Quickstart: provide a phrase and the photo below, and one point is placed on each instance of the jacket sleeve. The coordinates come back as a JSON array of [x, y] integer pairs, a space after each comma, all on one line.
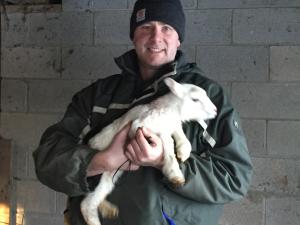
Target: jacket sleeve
[[60, 160], [222, 173]]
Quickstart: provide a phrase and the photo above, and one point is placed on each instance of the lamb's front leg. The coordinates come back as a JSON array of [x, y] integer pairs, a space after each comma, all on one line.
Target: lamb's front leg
[[182, 144], [171, 167], [96, 199]]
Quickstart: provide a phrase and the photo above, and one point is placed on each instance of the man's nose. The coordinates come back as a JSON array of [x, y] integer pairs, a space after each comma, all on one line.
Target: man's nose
[[156, 33]]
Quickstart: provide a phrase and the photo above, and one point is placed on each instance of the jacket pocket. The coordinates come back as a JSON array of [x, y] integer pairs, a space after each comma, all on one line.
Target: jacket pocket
[[188, 212]]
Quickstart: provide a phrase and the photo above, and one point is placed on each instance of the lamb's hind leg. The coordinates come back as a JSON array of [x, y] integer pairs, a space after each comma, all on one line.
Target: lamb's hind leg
[[171, 167], [89, 205], [107, 209]]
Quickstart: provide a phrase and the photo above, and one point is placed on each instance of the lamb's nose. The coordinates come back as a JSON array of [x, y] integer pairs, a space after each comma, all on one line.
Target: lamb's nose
[[215, 110]]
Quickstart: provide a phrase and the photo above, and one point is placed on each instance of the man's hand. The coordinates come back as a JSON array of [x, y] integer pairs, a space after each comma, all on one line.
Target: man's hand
[[113, 157], [145, 149]]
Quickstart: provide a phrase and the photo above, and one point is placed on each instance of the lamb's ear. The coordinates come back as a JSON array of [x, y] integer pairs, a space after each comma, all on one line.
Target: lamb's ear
[[176, 88]]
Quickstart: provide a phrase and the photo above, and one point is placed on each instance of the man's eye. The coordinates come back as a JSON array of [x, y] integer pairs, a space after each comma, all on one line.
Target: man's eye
[[146, 27], [167, 28]]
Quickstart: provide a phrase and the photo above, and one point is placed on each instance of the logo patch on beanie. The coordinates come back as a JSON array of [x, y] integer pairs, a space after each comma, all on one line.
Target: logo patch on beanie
[[140, 15]]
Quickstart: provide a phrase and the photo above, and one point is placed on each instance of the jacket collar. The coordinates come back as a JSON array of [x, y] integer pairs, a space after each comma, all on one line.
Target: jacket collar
[[128, 63]]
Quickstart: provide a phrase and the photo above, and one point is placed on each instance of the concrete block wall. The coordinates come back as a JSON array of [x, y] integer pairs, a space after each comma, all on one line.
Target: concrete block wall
[[251, 47]]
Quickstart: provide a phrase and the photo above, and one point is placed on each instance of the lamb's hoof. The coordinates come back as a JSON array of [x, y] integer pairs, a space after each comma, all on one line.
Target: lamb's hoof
[[183, 152], [108, 210], [181, 157], [178, 181]]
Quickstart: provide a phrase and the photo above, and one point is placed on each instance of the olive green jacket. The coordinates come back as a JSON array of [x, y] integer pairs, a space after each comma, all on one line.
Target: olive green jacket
[[217, 172]]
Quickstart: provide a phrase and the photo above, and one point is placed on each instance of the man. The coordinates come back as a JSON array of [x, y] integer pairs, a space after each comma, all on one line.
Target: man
[[218, 170]]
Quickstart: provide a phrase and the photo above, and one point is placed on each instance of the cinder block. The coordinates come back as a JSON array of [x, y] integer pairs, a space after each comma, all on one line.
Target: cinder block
[[107, 4], [189, 51], [208, 26], [52, 96], [56, 29], [25, 130], [255, 132], [248, 211], [266, 26], [283, 138], [77, 28], [92, 5], [276, 176], [189, 4], [30, 162], [267, 100], [32, 196], [20, 162], [112, 27], [285, 63], [283, 211], [232, 63], [186, 4], [77, 5], [131, 4], [90, 62], [61, 202], [32, 218], [28, 62], [14, 30], [246, 4], [13, 96], [44, 29]]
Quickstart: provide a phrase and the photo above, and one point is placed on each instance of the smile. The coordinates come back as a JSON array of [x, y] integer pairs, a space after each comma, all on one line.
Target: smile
[[155, 50]]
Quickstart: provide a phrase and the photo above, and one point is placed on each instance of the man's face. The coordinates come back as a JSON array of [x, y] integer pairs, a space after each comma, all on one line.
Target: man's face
[[156, 44]]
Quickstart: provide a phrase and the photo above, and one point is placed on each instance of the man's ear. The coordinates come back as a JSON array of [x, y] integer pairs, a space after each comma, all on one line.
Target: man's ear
[[133, 40], [179, 43]]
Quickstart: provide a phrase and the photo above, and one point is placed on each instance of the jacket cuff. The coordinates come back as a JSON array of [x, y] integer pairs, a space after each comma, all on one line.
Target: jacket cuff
[[86, 184]]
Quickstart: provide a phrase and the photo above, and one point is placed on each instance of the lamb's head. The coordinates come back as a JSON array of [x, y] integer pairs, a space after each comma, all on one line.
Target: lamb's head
[[193, 100]]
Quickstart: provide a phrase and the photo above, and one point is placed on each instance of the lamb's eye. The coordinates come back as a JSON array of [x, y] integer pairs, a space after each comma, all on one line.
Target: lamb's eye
[[195, 99]]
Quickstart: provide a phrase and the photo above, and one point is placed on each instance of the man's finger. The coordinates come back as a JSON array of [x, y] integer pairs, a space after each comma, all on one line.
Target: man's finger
[[149, 136]]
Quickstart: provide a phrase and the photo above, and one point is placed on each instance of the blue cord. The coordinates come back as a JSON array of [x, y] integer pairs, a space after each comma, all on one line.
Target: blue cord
[[170, 221]]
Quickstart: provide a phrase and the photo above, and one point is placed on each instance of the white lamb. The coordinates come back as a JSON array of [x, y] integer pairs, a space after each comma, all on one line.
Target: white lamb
[[164, 116]]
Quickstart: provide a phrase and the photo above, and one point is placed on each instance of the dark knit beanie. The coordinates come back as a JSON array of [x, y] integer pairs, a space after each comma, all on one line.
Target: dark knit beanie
[[166, 11]]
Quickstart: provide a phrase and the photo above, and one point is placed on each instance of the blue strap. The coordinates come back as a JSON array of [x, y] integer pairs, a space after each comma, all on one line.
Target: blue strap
[[170, 221]]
